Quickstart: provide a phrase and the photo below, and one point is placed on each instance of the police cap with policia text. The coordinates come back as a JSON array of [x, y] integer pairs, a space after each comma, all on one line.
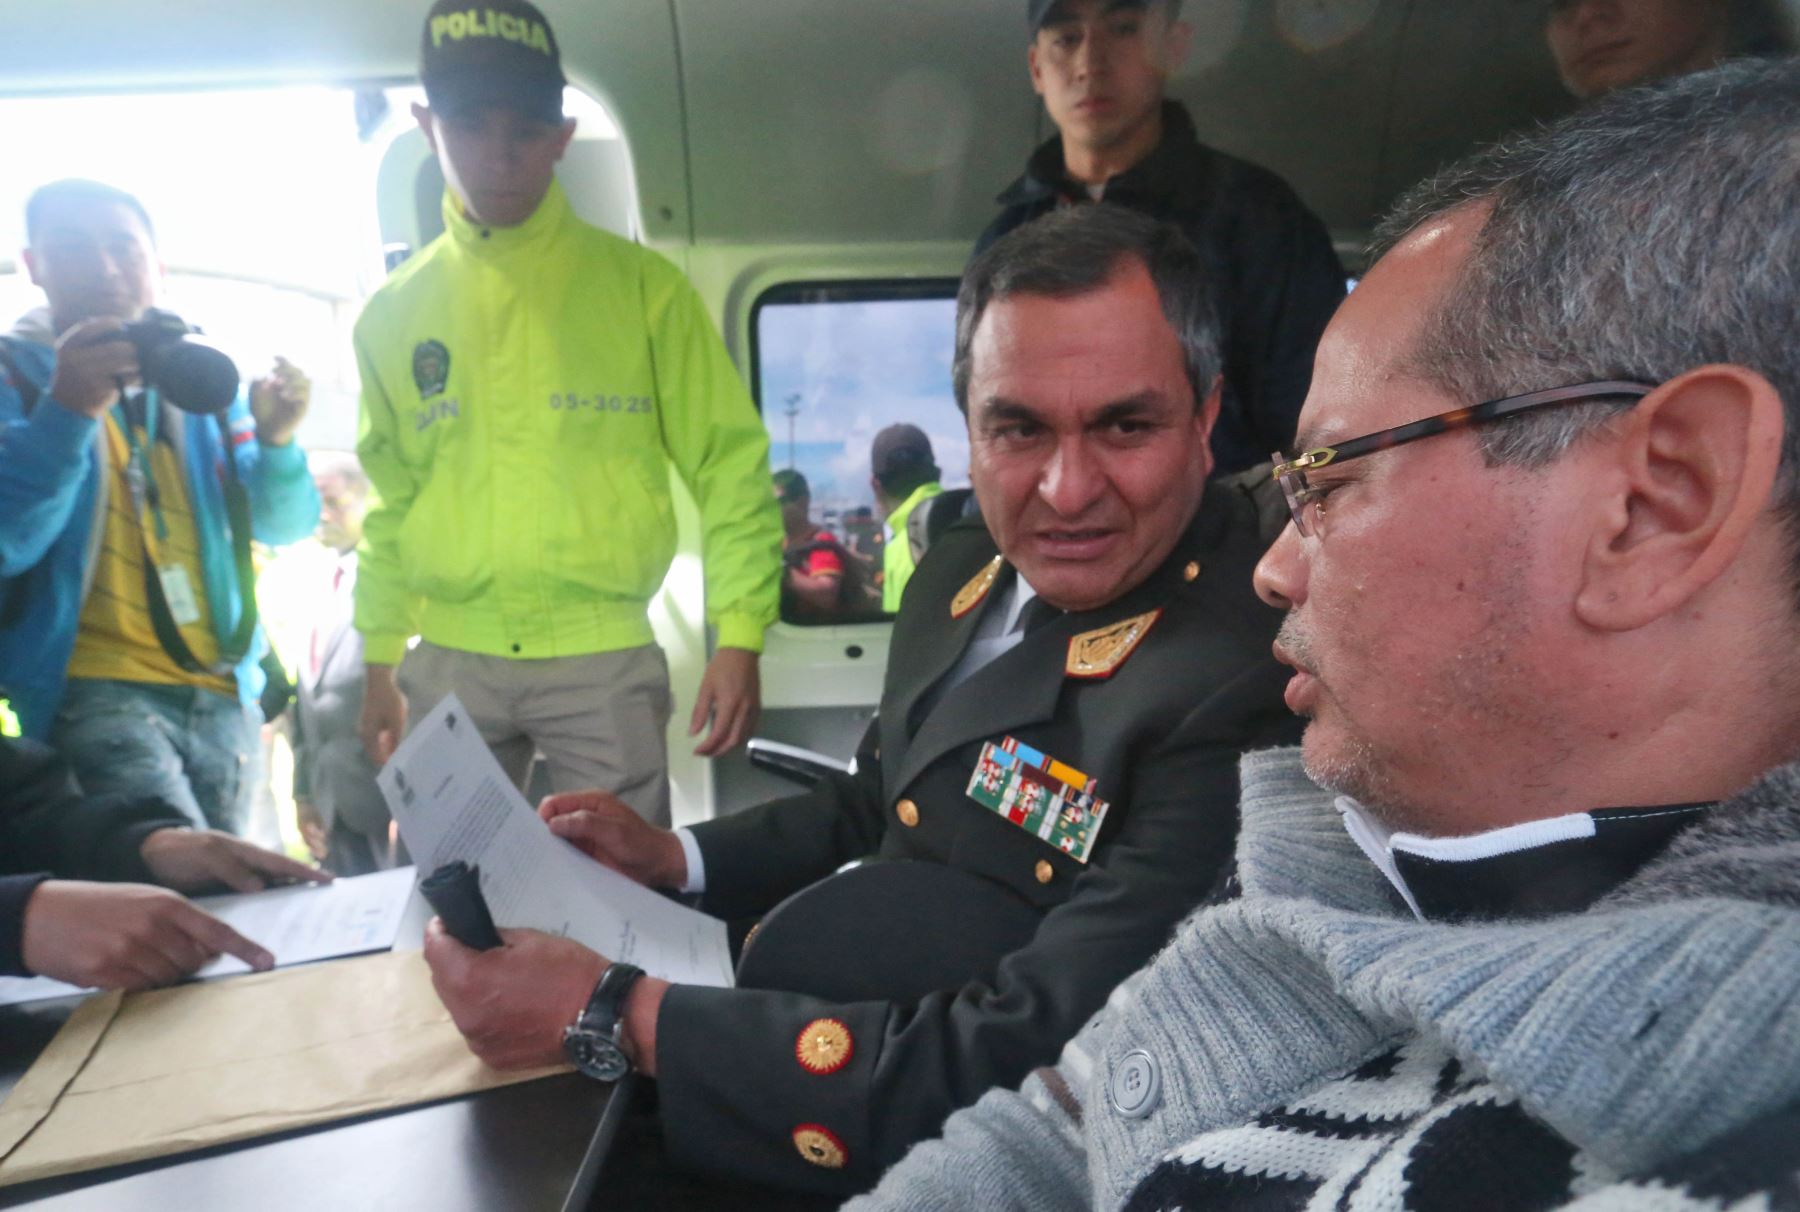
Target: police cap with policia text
[[502, 53]]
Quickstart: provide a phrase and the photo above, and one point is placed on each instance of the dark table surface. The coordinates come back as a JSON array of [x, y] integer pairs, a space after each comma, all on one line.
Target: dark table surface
[[533, 1146]]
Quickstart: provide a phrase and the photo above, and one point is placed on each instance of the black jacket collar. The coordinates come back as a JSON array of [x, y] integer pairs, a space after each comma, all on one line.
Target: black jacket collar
[[1159, 176]]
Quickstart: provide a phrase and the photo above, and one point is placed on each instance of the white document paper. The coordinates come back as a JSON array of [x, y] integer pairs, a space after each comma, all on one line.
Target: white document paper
[[297, 924], [453, 802]]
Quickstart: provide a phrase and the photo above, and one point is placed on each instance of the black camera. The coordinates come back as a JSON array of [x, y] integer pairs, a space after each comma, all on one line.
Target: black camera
[[184, 368]]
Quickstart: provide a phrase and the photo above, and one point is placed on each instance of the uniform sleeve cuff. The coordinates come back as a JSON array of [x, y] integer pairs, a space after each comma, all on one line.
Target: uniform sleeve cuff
[[740, 631], [383, 649], [696, 863]]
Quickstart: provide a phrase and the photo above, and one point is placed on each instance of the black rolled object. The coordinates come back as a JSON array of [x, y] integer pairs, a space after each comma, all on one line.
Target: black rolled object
[[454, 890]]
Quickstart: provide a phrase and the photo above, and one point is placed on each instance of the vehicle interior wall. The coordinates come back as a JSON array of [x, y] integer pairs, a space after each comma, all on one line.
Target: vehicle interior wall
[[788, 140], [817, 121]]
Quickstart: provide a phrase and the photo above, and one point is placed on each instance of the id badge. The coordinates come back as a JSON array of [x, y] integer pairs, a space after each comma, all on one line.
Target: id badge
[[1048, 799], [178, 592]]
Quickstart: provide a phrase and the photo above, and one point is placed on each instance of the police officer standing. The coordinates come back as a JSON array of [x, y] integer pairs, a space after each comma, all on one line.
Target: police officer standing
[[527, 382], [1101, 67]]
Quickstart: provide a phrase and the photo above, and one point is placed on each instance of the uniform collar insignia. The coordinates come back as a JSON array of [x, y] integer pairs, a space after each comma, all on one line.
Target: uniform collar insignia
[[970, 595], [1097, 653]]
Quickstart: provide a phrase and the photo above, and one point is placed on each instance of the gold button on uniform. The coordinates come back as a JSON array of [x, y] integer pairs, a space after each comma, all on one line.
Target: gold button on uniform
[[908, 812], [820, 1146], [1191, 572], [825, 1045], [1045, 872]]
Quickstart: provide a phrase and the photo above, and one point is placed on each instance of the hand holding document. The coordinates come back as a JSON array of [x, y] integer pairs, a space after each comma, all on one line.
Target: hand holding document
[[298, 925], [453, 802]]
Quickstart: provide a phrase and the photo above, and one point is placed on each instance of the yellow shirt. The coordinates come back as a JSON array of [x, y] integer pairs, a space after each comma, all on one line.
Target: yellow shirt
[[115, 638]]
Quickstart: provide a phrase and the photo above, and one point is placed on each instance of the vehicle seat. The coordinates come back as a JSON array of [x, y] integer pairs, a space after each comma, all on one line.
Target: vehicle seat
[[946, 509]]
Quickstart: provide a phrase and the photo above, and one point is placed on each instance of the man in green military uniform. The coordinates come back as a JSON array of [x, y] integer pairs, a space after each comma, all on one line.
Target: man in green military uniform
[[528, 381], [1069, 690], [904, 475]]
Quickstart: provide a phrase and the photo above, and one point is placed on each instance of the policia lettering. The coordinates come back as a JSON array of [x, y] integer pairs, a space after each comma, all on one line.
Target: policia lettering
[[486, 23]]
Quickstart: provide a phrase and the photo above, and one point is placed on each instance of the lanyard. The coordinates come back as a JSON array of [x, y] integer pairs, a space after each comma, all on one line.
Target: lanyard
[[232, 648], [140, 475]]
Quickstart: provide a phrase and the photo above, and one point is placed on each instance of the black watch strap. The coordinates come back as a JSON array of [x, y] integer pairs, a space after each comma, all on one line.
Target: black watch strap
[[604, 1004]]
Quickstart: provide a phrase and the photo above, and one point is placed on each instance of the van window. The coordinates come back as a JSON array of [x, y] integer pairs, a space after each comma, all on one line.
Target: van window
[[833, 365]]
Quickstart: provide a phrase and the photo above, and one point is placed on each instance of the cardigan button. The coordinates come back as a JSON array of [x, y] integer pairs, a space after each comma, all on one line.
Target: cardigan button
[[1136, 1084]]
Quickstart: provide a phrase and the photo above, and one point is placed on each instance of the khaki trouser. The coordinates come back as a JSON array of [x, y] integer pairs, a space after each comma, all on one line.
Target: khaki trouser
[[600, 721]]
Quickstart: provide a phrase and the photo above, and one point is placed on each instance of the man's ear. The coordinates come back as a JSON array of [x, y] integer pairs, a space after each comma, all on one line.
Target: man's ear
[[1031, 65], [31, 266], [423, 116], [1681, 490]]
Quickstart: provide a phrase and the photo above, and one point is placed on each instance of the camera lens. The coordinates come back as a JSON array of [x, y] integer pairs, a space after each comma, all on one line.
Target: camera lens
[[192, 375]]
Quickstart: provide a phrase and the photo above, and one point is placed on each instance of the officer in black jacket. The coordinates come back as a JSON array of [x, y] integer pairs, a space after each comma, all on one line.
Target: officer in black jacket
[[1100, 66], [123, 935], [1065, 704]]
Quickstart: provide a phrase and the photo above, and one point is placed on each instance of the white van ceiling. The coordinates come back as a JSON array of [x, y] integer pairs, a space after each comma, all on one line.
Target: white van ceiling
[[849, 120]]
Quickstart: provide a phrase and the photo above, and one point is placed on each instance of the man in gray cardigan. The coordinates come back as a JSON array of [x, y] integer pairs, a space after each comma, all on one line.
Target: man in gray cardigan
[[1518, 921]]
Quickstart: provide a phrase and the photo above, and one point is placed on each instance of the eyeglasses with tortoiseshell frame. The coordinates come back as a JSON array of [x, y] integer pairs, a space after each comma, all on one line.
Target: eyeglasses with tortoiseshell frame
[[1301, 496]]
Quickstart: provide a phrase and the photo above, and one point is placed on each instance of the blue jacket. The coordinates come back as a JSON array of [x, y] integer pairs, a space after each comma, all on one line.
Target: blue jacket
[[52, 494]]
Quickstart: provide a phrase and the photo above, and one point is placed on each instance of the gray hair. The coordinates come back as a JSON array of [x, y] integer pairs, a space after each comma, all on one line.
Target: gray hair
[[1078, 249], [340, 463], [1650, 232]]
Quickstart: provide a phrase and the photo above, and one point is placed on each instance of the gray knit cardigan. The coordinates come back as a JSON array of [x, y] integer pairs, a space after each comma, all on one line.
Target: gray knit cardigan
[[1657, 1021]]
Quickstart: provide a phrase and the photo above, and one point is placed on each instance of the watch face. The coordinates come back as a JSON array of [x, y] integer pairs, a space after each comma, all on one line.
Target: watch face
[[596, 1055]]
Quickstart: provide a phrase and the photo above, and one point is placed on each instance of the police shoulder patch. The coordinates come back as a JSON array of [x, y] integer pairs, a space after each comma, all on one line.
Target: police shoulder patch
[[431, 368]]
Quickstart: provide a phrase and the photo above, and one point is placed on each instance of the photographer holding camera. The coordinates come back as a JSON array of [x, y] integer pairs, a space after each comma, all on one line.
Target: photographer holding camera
[[133, 476]]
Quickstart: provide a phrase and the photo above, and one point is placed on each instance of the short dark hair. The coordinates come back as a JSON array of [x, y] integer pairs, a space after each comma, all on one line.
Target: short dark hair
[[47, 200], [790, 485], [1077, 250]]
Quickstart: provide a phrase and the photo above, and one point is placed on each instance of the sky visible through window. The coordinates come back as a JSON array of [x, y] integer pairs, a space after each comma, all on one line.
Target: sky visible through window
[[847, 370]]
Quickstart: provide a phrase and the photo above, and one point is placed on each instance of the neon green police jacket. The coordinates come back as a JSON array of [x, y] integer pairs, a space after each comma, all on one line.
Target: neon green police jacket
[[524, 393]]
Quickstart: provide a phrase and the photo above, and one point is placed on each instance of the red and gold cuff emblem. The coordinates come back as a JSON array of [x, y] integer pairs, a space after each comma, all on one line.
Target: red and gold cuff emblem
[[820, 1146], [824, 1046]]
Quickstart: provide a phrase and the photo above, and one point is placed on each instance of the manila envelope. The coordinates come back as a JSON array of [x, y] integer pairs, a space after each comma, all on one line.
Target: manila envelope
[[163, 1072]]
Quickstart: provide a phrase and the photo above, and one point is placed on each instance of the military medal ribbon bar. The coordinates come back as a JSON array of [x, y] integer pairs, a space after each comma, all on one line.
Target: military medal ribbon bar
[[1050, 800]]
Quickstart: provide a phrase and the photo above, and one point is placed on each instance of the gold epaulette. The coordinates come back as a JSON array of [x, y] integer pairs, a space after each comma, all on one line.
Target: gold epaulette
[[970, 595], [1097, 653]]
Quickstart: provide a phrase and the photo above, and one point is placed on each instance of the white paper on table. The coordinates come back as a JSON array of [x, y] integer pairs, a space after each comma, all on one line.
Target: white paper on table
[[453, 802], [298, 924]]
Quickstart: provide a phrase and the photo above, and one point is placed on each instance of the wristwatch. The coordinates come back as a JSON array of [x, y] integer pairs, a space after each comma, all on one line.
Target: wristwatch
[[594, 1044]]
